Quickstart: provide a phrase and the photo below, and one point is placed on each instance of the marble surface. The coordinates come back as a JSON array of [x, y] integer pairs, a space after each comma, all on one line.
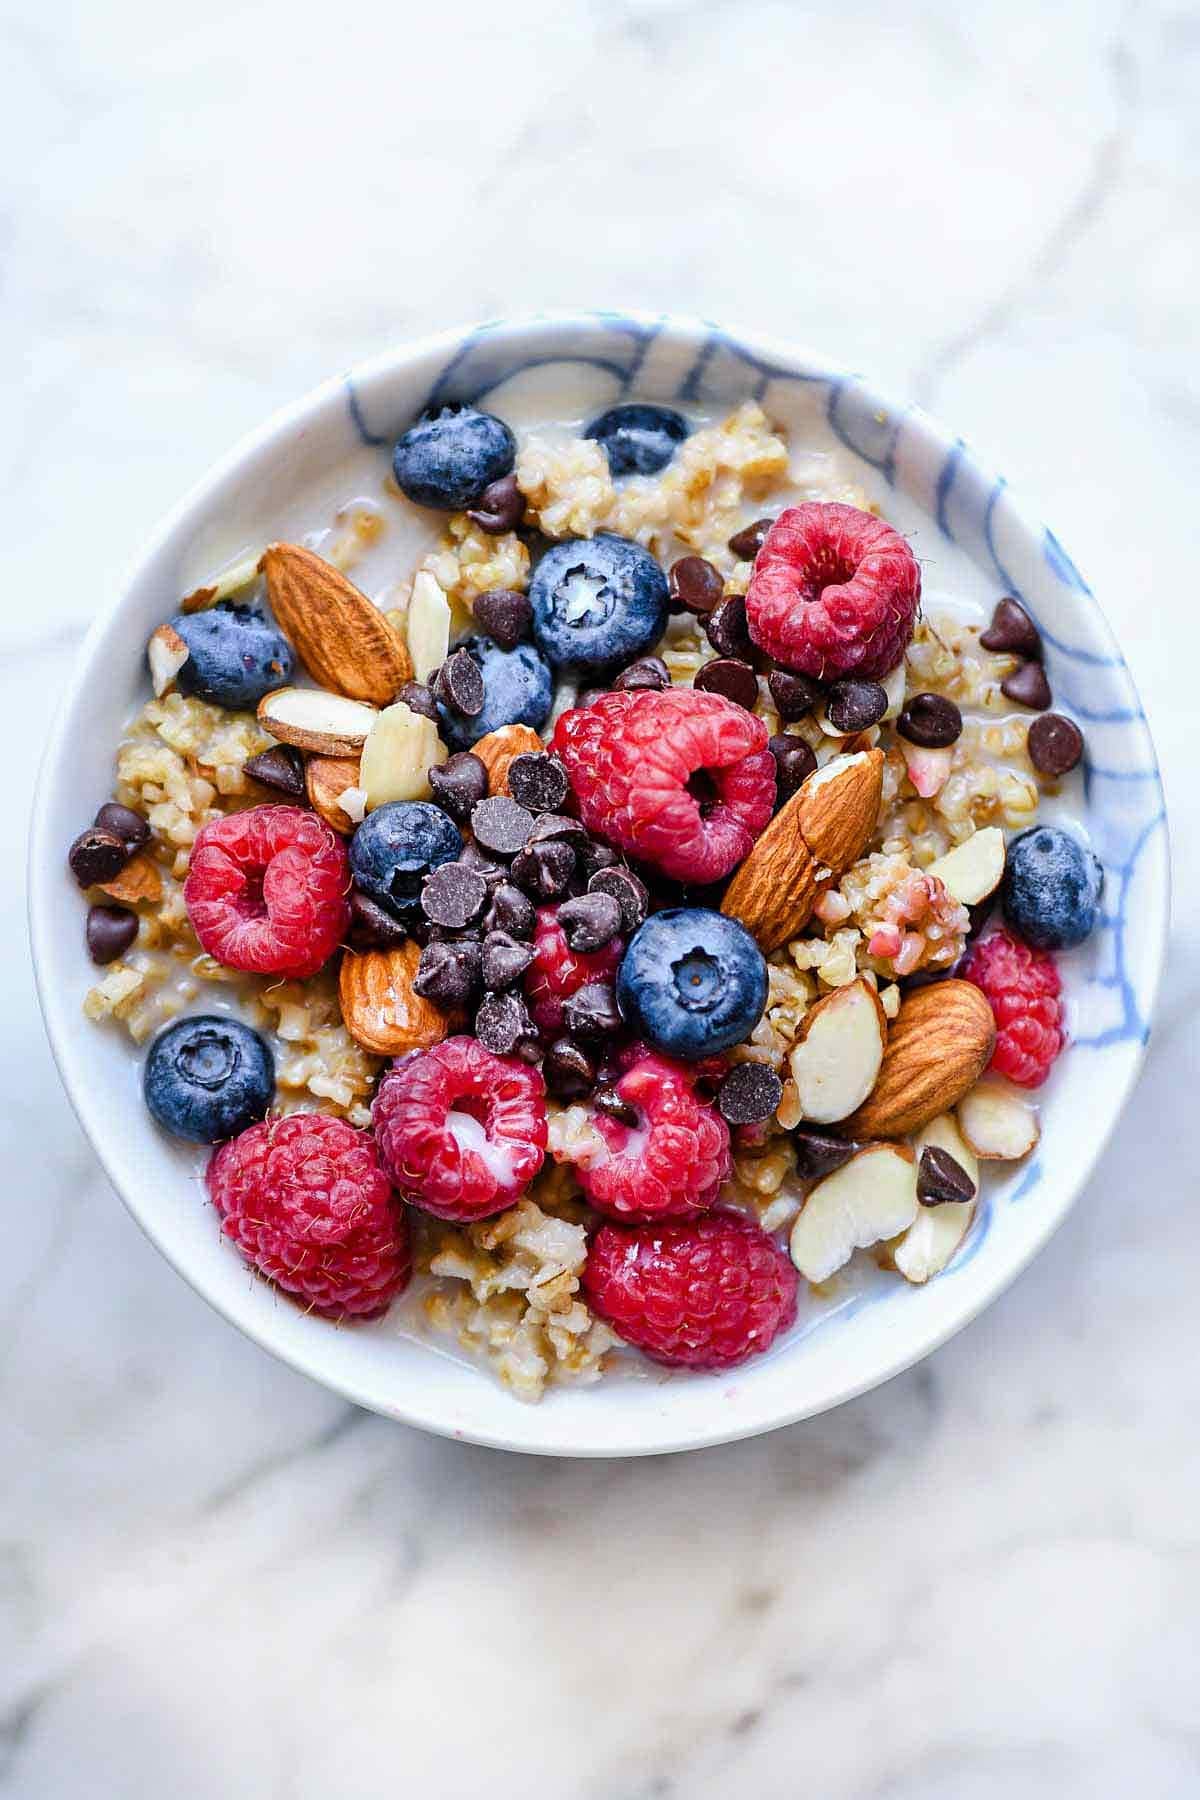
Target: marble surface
[[980, 1581]]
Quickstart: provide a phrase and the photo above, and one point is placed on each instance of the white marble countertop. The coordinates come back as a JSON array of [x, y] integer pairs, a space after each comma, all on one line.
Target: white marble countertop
[[982, 1581]]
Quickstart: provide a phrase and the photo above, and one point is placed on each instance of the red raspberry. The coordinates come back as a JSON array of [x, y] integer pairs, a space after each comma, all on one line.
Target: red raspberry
[[834, 591], [704, 1295], [1022, 986], [266, 891], [461, 1132], [682, 779], [557, 971], [672, 1163], [305, 1200]]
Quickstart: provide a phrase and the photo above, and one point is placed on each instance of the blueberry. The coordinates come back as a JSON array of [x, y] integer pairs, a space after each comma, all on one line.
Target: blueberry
[[235, 656], [394, 849], [447, 458], [598, 601], [207, 1078], [518, 689], [638, 439], [692, 981], [1051, 889]]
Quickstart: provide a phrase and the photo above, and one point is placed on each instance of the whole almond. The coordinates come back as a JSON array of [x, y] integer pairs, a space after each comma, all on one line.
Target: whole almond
[[500, 748], [140, 879], [342, 638], [380, 1009], [326, 778], [938, 1047], [839, 806]]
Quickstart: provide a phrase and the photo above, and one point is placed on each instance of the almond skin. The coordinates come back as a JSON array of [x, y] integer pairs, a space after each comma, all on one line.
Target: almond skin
[[380, 1009], [939, 1045], [326, 778], [341, 637], [500, 748]]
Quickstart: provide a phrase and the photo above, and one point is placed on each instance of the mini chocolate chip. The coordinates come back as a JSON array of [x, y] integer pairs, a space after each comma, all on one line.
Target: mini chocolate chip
[[448, 973], [474, 857], [503, 1024], [110, 931], [281, 769], [609, 1102], [648, 672], [794, 763], [97, 855], [371, 928], [459, 684], [590, 921], [941, 1178], [419, 699], [538, 780], [459, 784], [1027, 685], [750, 1093], [628, 892], [591, 1012], [1012, 631], [794, 695], [1055, 744], [726, 628], [931, 721], [818, 1155], [695, 585], [129, 826], [747, 542], [500, 507], [505, 960], [501, 825], [511, 911], [732, 679], [568, 1069], [454, 896], [854, 705], [505, 615], [594, 856], [551, 827], [544, 871]]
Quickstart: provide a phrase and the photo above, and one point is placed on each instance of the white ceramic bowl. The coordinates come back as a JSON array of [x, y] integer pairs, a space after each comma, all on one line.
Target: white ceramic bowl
[[972, 536]]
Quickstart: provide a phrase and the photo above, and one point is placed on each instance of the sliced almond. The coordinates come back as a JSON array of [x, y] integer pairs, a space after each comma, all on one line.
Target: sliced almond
[[140, 879], [938, 1046], [972, 870], [327, 778], [838, 1052], [380, 1009], [871, 1198], [996, 1122], [501, 748], [166, 653], [340, 635], [235, 580], [400, 750], [427, 626], [329, 724], [937, 1231]]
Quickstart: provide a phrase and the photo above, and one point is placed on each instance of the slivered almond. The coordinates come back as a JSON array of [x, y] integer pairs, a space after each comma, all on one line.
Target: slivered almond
[[938, 1047], [937, 1231], [871, 1198], [326, 779], [329, 724], [166, 653], [500, 748], [140, 879], [342, 637], [237, 577], [810, 842], [974, 869], [997, 1123], [400, 750], [427, 625], [838, 1052], [380, 1009]]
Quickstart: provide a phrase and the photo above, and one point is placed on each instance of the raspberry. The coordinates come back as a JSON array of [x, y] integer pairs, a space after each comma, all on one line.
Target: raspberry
[[834, 592], [266, 891], [704, 1295], [461, 1132], [672, 1163], [305, 1200], [1022, 987], [682, 779], [557, 971]]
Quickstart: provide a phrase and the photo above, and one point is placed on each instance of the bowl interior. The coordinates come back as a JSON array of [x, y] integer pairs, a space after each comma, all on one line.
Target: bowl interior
[[974, 541]]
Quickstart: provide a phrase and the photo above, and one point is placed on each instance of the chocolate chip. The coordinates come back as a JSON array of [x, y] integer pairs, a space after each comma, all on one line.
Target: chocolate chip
[[1055, 744], [750, 1093], [726, 628], [454, 896], [732, 679], [110, 931], [931, 721], [794, 695], [854, 705], [594, 856], [552, 827], [545, 871], [500, 507], [592, 1012], [628, 892], [511, 911], [1027, 685], [505, 960], [281, 769], [747, 542], [1012, 631], [694, 584], [448, 973], [501, 825], [538, 780], [474, 857], [503, 1024], [648, 672], [419, 699], [568, 1069], [940, 1178], [97, 855], [505, 615], [609, 1102], [818, 1155], [590, 921], [129, 826], [459, 784], [459, 684], [794, 763], [371, 928]]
